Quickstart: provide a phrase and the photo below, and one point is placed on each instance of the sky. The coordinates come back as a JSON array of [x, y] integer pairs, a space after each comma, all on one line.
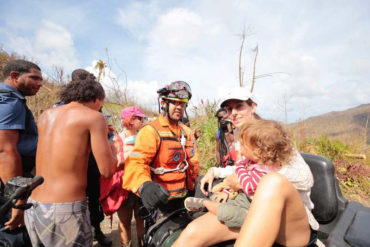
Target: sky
[[314, 56]]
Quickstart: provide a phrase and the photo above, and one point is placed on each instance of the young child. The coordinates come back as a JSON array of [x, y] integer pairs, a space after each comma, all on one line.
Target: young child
[[266, 148]]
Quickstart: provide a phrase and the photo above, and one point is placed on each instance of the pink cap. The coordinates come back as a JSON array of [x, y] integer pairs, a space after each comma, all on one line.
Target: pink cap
[[132, 111]]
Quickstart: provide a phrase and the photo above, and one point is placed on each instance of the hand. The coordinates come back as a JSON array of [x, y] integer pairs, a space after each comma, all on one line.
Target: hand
[[116, 156], [232, 182], [220, 187], [207, 179], [119, 152], [221, 197], [17, 219], [153, 195], [197, 133], [110, 128]]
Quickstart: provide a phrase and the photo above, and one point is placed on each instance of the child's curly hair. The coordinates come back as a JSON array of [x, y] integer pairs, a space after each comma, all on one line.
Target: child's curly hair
[[268, 140]]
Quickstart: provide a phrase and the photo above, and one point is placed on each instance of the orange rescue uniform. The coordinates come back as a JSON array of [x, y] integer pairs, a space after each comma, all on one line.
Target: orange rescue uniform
[[158, 145]]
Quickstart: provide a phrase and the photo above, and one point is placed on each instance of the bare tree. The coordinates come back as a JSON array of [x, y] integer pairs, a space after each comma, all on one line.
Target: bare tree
[[240, 60], [254, 68], [284, 105], [240, 67], [118, 90], [58, 76]]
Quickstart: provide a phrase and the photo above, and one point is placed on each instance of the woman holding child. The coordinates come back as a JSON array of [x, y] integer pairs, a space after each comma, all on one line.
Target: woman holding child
[[265, 160]]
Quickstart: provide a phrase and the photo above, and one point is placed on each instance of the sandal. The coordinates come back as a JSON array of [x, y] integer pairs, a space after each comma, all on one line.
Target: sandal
[[194, 204]]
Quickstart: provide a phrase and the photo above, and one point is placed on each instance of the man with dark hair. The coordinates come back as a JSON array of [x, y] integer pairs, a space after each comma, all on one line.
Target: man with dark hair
[[225, 152], [67, 135], [93, 179], [18, 134], [81, 74]]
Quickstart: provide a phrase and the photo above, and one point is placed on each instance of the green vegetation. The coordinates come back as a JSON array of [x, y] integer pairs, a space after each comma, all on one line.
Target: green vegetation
[[205, 120], [331, 149], [353, 174]]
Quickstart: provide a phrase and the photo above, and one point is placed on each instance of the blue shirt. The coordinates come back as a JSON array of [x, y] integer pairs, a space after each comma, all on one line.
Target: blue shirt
[[15, 115]]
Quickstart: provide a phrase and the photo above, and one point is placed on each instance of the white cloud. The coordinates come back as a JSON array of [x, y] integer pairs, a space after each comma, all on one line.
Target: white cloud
[[137, 18], [54, 46], [144, 92], [52, 36], [183, 45], [141, 92], [50, 45], [179, 28]]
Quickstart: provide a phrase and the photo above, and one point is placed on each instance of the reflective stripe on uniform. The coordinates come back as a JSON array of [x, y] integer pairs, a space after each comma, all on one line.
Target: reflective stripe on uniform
[[136, 154]]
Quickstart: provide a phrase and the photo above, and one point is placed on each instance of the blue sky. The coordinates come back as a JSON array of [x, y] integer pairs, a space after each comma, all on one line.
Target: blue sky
[[321, 49]]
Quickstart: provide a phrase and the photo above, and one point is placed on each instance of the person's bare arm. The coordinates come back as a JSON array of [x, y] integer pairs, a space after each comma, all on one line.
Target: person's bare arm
[[11, 166], [101, 148], [10, 160]]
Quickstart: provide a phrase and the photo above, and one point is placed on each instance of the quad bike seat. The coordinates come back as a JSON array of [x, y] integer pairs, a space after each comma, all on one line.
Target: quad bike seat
[[342, 223], [325, 194]]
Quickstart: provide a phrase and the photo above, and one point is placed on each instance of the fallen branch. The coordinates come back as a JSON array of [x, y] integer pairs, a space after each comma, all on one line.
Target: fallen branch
[[356, 156]]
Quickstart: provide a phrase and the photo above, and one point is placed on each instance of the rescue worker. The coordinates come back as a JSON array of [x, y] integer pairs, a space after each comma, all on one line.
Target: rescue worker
[[164, 163]]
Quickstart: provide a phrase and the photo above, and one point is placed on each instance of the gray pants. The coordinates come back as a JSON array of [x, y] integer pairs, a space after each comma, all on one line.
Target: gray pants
[[59, 224], [234, 212]]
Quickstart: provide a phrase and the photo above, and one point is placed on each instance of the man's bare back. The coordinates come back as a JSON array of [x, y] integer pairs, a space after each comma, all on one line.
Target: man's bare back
[[66, 136]]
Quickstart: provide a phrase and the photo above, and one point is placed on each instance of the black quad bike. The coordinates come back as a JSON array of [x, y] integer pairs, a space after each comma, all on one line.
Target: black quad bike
[[343, 223], [17, 188]]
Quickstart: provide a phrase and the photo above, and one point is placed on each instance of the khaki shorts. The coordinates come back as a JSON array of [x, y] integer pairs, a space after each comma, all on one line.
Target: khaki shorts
[[233, 212], [59, 224]]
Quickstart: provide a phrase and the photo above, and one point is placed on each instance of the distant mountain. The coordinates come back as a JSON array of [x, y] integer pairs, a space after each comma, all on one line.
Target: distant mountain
[[348, 125]]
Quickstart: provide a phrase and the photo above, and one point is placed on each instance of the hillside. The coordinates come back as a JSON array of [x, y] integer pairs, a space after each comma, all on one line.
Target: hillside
[[348, 125]]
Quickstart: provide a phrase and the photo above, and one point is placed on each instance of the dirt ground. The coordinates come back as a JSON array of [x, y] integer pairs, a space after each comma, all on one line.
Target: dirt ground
[[112, 233]]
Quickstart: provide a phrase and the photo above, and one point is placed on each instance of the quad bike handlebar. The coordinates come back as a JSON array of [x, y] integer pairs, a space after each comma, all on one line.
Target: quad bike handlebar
[[18, 188]]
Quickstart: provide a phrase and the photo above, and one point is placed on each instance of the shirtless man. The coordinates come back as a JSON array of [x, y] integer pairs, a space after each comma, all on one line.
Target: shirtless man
[[67, 134]]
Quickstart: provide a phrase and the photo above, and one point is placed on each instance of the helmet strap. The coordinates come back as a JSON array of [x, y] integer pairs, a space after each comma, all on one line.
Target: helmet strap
[[165, 109], [159, 105], [186, 114]]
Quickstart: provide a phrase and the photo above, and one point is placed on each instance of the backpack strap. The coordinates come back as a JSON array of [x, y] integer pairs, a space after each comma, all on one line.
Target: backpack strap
[[159, 147]]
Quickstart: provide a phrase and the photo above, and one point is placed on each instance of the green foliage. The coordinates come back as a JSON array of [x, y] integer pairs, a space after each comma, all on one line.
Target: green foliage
[[353, 175], [332, 149], [205, 121]]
